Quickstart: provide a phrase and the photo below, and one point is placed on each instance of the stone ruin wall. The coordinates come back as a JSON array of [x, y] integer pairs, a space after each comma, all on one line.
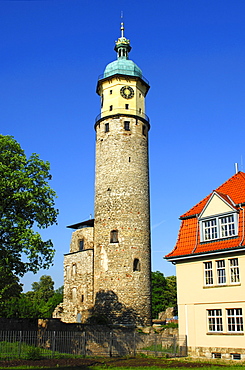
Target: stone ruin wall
[[78, 279]]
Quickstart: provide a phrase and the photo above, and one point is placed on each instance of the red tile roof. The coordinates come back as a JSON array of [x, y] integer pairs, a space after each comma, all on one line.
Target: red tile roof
[[188, 242]]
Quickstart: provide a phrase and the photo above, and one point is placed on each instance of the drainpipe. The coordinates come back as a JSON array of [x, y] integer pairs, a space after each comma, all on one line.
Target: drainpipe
[[193, 250], [241, 242]]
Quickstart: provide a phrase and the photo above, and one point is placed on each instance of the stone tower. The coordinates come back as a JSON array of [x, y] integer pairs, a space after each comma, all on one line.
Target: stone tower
[[122, 218], [113, 265]]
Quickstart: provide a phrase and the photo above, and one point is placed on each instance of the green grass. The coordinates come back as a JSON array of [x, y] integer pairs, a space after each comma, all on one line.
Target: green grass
[[15, 350], [231, 367]]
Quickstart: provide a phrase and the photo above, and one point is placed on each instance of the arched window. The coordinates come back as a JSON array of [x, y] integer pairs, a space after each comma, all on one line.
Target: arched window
[[136, 265], [114, 236], [74, 269]]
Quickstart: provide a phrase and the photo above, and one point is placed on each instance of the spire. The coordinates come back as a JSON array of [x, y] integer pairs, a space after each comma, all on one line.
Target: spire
[[122, 30], [122, 45]]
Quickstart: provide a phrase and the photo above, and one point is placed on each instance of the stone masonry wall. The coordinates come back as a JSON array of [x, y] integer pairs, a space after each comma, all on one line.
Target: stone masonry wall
[[216, 352], [78, 278], [122, 204], [86, 234], [78, 284]]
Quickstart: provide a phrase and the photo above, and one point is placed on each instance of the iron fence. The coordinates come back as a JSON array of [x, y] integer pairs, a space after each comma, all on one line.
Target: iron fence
[[54, 344]]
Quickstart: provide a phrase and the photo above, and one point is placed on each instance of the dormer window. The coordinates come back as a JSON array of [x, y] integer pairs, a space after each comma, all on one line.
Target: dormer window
[[219, 227], [219, 218], [227, 226]]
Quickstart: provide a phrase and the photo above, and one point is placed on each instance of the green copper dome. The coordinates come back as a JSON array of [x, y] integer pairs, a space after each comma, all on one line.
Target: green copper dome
[[122, 65], [125, 67]]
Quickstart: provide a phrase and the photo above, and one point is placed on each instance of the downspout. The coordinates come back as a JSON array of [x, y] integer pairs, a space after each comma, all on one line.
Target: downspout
[[241, 242], [194, 249]]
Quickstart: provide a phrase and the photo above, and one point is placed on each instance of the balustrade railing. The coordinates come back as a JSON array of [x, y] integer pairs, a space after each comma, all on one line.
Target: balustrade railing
[[123, 111]]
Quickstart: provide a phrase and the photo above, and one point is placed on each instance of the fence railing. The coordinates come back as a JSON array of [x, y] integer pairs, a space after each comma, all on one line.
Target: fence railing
[[53, 344]]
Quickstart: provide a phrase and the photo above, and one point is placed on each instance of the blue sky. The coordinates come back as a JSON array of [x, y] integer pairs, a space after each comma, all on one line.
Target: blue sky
[[192, 52]]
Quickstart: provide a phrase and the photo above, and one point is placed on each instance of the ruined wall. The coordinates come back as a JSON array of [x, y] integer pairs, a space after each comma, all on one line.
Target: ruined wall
[[78, 279], [86, 235]]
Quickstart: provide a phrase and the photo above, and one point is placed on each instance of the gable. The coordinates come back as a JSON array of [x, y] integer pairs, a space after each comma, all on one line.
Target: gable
[[215, 224], [215, 206]]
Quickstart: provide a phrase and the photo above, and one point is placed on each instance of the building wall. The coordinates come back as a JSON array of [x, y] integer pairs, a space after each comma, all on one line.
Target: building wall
[[194, 302], [111, 95]]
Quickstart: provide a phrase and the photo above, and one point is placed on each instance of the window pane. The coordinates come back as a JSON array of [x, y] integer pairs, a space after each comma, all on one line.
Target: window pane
[[221, 276], [227, 226], [210, 229], [234, 270], [234, 320], [208, 273], [215, 320]]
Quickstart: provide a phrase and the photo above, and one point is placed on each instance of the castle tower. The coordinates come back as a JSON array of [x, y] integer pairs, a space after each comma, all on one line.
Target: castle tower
[[107, 271], [122, 256]]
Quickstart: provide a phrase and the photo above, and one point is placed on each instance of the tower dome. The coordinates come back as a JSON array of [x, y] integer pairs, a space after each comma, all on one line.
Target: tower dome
[[122, 65]]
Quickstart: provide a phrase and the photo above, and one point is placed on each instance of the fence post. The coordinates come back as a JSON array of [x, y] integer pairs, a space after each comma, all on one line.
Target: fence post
[[110, 344], [134, 344], [84, 343], [175, 340], [155, 341], [19, 347], [186, 347], [53, 344]]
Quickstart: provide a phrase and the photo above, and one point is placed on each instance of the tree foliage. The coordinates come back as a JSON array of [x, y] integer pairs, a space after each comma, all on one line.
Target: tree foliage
[[27, 201], [9, 286], [40, 302], [164, 292]]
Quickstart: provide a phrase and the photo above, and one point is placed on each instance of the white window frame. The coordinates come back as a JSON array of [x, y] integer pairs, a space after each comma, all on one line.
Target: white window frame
[[234, 320], [212, 228], [215, 321], [227, 226], [234, 271], [208, 273], [221, 272]]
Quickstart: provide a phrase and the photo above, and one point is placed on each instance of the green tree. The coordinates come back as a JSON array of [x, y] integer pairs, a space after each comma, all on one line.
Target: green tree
[[44, 297], [9, 287], [27, 202], [164, 292], [21, 307], [44, 289], [48, 308], [39, 302]]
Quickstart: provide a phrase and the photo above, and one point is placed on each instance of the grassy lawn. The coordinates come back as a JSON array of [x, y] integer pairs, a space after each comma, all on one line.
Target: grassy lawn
[[83, 367], [164, 364], [23, 356]]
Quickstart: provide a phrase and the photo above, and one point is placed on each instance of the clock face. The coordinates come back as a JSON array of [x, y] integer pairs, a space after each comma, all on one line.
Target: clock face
[[127, 92]]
